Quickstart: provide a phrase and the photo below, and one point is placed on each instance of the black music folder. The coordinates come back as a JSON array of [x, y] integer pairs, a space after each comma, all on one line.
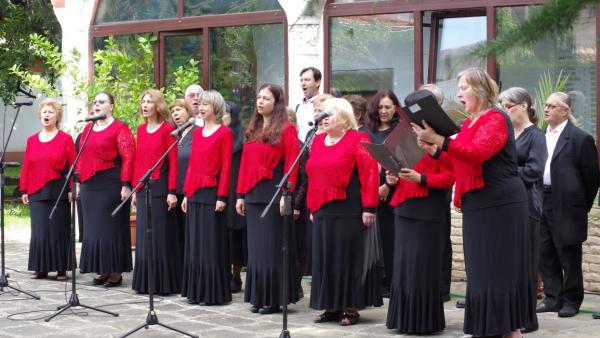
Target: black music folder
[[400, 148], [429, 110]]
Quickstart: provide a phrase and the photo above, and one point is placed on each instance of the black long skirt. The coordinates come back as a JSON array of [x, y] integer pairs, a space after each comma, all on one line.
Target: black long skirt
[[416, 304], [344, 270], [205, 263], [166, 249], [49, 243], [265, 271], [497, 259], [106, 245]]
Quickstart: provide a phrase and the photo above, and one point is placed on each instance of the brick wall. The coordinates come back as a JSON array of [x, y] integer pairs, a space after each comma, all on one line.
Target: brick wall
[[591, 250]]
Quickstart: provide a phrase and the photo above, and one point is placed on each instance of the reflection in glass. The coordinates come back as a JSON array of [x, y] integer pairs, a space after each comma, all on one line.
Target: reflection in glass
[[179, 49], [208, 7], [371, 53], [119, 10], [574, 53], [244, 57]]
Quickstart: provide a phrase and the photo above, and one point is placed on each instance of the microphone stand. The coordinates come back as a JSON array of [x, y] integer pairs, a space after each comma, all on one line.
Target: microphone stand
[[285, 187], [3, 276], [151, 317], [74, 299]]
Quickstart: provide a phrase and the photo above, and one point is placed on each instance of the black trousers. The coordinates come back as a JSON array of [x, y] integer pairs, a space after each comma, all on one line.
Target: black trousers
[[446, 247], [560, 266]]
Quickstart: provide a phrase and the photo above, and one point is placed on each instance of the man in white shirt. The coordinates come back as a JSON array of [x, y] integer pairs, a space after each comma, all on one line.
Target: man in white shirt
[[192, 96], [310, 81], [571, 179]]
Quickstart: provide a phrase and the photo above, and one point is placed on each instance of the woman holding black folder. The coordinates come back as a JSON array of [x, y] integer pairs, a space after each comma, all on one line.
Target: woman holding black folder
[[493, 200]]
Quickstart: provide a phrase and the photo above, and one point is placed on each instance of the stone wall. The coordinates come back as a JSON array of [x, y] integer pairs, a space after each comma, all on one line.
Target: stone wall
[[591, 250]]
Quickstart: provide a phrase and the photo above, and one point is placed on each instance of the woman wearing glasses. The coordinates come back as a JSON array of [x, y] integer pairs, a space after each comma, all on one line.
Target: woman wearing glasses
[[105, 169]]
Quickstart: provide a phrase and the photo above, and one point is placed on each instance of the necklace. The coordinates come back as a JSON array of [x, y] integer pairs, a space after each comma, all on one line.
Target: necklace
[[331, 141]]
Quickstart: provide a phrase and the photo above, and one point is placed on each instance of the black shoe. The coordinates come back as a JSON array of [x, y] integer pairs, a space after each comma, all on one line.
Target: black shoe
[[445, 298], [255, 309], [100, 280], [111, 284], [567, 311], [267, 310], [547, 306], [596, 315], [385, 292], [531, 327], [460, 304]]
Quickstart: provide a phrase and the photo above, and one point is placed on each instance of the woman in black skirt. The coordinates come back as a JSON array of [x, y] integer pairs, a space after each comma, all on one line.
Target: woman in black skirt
[[153, 140], [342, 199], [105, 168], [419, 203], [531, 156], [48, 156], [236, 223], [206, 263], [270, 147], [500, 294]]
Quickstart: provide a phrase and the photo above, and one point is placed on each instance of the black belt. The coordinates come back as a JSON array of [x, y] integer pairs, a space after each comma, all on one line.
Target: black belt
[[547, 188]]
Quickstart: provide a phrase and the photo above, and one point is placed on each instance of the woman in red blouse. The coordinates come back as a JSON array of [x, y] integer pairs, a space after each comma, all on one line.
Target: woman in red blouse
[[206, 188], [153, 140], [270, 147], [342, 198], [500, 295], [419, 202], [48, 156], [105, 168]]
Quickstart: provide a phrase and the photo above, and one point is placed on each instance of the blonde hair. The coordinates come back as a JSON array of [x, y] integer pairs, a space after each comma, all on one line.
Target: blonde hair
[[54, 104], [216, 100], [341, 111], [484, 87], [183, 104], [291, 115], [319, 99], [158, 98]]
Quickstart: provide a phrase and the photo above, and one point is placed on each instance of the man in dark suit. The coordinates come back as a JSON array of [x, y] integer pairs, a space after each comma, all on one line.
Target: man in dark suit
[[570, 184]]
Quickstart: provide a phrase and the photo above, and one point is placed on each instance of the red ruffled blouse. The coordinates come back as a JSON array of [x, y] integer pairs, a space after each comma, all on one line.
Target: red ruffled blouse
[[329, 169], [438, 174], [472, 147], [45, 161], [259, 160], [210, 156], [150, 147], [102, 148]]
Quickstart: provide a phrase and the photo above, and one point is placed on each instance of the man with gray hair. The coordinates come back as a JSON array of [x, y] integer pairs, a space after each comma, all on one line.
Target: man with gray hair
[[192, 96]]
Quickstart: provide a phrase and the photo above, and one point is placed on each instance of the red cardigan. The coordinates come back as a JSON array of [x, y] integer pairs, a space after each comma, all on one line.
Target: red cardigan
[[259, 159], [329, 169], [150, 147], [210, 156], [435, 174], [472, 147], [45, 161], [102, 148]]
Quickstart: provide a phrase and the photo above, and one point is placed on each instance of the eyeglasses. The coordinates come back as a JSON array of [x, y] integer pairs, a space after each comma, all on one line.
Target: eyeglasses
[[98, 102], [551, 106]]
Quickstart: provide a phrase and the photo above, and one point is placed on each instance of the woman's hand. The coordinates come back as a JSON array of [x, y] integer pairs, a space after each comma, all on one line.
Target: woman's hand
[[184, 205], [427, 134], [134, 200], [429, 148], [77, 191], [171, 201], [410, 175], [220, 206], [70, 196], [281, 205], [384, 190], [311, 217], [368, 218], [296, 214], [25, 199], [125, 191], [240, 207], [390, 178]]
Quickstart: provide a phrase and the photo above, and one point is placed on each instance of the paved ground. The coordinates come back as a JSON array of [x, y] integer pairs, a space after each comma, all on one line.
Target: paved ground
[[21, 316]]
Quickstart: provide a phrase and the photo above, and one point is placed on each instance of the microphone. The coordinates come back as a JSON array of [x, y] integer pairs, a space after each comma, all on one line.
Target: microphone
[[182, 127], [19, 104], [319, 118], [93, 118]]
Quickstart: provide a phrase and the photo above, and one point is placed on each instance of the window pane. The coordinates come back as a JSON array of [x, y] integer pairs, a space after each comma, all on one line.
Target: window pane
[[371, 53], [242, 59], [179, 49], [574, 54], [207, 7], [119, 10]]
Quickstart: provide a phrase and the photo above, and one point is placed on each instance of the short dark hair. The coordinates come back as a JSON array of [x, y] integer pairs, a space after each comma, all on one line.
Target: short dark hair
[[316, 73]]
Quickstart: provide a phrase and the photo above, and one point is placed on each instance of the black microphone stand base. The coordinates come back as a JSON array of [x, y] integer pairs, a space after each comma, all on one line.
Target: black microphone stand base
[[74, 301], [152, 319], [284, 334], [4, 284]]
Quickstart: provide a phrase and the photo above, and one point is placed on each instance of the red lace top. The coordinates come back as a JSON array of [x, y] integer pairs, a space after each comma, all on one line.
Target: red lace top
[[45, 161], [259, 159], [102, 148], [438, 175], [150, 147], [472, 147], [210, 156], [329, 169]]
